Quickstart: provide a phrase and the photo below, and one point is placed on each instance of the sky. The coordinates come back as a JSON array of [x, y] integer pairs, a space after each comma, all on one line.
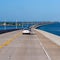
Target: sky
[[30, 10]]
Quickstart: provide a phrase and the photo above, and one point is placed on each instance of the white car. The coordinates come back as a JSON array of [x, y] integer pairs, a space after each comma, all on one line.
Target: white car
[[26, 31]]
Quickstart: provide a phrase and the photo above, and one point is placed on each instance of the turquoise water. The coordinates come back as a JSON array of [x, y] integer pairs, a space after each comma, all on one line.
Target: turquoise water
[[52, 28]]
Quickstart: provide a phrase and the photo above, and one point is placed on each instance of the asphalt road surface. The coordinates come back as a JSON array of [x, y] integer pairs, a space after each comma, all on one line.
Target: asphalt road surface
[[23, 47]]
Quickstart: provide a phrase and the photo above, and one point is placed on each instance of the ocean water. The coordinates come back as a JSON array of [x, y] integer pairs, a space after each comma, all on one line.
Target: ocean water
[[14, 27], [52, 28]]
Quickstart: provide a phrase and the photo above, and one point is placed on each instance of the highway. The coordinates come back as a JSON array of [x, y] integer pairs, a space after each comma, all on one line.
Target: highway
[[16, 46]]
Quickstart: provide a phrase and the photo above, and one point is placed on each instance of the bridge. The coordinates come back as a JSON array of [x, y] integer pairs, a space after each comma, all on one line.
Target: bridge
[[40, 24], [16, 46]]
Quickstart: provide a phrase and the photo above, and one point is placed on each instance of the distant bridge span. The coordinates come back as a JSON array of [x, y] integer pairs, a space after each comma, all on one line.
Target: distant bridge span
[[39, 24]]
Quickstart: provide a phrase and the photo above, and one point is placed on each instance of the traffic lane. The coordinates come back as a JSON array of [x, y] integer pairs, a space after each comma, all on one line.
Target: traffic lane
[[28, 48], [6, 36], [25, 47], [52, 48], [7, 51]]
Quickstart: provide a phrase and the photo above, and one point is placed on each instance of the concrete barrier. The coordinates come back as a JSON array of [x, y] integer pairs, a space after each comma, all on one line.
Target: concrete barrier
[[50, 36], [5, 31]]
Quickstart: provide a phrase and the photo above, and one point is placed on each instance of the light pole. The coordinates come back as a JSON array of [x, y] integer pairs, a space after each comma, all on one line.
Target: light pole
[[22, 25], [16, 24], [4, 25]]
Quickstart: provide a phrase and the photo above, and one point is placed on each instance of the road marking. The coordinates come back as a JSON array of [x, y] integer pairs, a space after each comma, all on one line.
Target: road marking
[[10, 40], [44, 50]]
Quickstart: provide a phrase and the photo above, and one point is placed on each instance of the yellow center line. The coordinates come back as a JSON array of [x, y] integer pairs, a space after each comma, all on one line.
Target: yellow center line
[[10, 40]]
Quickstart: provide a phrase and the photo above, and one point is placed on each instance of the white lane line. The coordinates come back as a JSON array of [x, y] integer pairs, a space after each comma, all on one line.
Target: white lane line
[[49, 58]]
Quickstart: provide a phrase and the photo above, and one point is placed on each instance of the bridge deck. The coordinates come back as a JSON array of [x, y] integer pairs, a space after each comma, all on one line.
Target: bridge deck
[[27, 47]]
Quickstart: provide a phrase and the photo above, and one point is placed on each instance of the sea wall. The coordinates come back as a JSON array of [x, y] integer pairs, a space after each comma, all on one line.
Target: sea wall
[[50, 36]]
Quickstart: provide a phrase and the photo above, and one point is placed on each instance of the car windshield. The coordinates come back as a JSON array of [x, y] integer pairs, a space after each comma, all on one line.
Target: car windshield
[[27, 29]]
